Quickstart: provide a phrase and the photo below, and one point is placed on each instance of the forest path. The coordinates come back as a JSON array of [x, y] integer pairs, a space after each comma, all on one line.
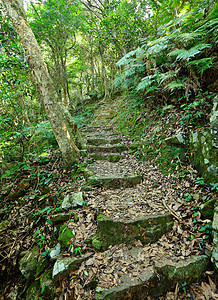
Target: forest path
[[141, 250]]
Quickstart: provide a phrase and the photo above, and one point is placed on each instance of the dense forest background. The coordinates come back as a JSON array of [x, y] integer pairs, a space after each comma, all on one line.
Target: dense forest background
[[156, 52]]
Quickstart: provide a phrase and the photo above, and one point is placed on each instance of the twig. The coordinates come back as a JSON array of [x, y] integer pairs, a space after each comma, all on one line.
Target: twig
[[177, 217]]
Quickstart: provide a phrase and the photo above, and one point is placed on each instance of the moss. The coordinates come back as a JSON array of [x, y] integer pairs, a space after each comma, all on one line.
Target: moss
[[169, 158], [96, 242], [114, 158], [65, 235]]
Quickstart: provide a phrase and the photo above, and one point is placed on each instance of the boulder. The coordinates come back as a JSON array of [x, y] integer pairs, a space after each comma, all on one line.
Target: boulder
[[33, 291], [63, 266], [203, 154], [214, 257], [207, 208], [55, 251], [176, 140], [65, 235], [75, 200], [204, 147], [28, 263]]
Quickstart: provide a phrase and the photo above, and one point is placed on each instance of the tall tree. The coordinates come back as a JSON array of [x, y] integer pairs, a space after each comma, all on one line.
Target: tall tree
[[63, 125]]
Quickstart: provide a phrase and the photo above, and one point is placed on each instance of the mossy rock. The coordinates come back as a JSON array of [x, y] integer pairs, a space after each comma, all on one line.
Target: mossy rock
[[107, 149], [28, 263], [33, 291], [188, 270], [207, 208], [65, 235], [97, 141], [47, 286], [114, 181], [114, 158], [203, 154], [168, 160], [147, 230], [96, 242], [22, 189]]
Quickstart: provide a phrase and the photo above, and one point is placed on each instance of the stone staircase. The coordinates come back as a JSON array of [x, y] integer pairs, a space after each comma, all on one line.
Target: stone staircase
[[132, 246], [136, 260]]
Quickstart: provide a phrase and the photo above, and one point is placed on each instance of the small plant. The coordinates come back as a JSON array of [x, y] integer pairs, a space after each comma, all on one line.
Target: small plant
[[214, 186], [41, 240], [188, 197], [77, 251], [207, 229], [46, 253], [200, 181]]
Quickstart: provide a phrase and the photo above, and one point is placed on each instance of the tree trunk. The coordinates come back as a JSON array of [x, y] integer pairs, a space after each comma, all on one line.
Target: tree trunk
[[63, 125]]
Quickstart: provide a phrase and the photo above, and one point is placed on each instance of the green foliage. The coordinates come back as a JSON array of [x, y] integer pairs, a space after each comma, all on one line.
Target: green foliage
[[164, 65]]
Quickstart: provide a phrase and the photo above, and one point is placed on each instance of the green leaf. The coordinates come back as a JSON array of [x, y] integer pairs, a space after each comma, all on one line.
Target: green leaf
[[183, 54]]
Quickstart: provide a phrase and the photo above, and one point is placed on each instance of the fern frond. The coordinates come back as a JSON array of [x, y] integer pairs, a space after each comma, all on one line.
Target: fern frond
[[174, 85], [126, 59], [188, 54], [145, 82], [202, 64], [190, 36], [168, 75], [119, 80]]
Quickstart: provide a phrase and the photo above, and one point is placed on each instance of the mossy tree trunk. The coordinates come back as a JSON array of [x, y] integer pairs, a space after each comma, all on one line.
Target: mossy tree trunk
[[62, 123]]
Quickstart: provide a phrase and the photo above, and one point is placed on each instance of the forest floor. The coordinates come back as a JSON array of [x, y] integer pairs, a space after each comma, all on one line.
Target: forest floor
[[115, 269]]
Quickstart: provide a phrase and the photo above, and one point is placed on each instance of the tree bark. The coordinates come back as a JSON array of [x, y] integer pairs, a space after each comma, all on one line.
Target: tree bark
[[63, 125]]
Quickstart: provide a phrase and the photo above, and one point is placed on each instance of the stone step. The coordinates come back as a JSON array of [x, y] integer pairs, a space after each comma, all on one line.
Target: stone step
[[148, 230], [100, 141], [113, 181], [108, 157], [107, 149], [148, 278], [97, 128]]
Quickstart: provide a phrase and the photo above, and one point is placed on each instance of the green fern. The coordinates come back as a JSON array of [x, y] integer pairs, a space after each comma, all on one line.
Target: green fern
[[202, 64], [183, 54], [174, 85], [126, 59], [145, 83]]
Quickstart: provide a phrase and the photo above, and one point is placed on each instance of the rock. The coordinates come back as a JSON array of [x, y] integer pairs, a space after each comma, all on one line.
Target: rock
[[207, 209], [33, 291], [176, 140], [75, 200], [23, 187], [204, 147], [97, 141], [60, 218], [214, 122], [135, 287], [28, 263], [106, 149], [55, 251], [64, 266], [214, 257], [65, 235], [147, 230], [96, 242], [109, 157], [113, 181], [188, 270], [47, 286]]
